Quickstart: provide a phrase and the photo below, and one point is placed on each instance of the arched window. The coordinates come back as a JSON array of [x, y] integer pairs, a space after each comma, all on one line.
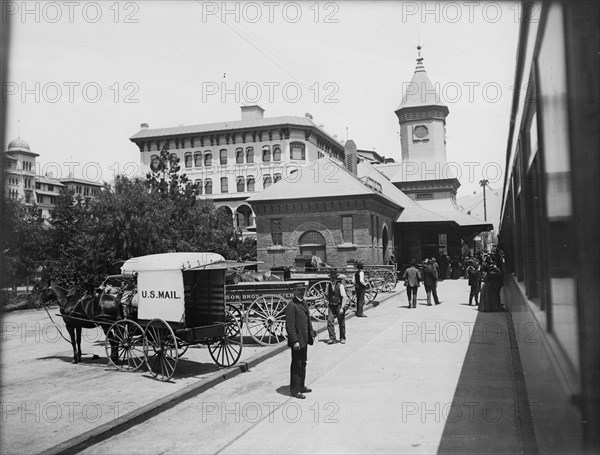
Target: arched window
[[297, 151], [267, 181], [276, 153], [312, 243], [224, 185], [208, 158], [266, 154], [198, 183], [241, 184], [276, 178], [239, 155], [250, 155], [244, 217], [223, 157], [250, 183], [208, 186], [188, 159], [197, 159]]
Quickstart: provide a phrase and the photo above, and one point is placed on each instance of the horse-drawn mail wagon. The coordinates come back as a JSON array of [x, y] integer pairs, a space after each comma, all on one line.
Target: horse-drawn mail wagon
[[180, 301]]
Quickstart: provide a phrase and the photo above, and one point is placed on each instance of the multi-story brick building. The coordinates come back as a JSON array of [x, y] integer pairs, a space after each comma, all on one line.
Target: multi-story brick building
[[20, 167], [37, 192], [233, 160]]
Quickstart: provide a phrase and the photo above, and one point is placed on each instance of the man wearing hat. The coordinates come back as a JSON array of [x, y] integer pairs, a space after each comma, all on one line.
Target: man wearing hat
[[300, 334], [360, 286], [430, 279], [337, 306], [412, 278]]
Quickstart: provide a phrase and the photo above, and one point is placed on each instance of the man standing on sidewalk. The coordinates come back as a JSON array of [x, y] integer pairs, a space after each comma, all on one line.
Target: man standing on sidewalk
[[300, 334], [430, 279], [411, 278], [337, 306], [360, 285]]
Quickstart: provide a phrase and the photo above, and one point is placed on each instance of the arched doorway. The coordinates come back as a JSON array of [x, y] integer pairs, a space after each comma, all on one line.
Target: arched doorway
[[384, 246], [312, 243], [227, 213]]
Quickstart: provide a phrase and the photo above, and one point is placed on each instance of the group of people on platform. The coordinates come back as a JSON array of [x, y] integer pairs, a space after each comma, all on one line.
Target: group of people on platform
[[484, 272]]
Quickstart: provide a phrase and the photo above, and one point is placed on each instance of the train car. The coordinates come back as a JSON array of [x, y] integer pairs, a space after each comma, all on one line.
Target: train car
[[550, 223]]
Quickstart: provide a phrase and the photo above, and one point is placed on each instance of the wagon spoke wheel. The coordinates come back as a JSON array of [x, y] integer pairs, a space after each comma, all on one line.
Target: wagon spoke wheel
[[319, 307], [124, 345], [234, 314], [160, 349], [370, 293], [265, 319], [226, 351]]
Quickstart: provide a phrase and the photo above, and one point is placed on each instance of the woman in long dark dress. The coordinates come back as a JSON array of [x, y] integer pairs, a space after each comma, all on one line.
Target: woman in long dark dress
[[490, 291]]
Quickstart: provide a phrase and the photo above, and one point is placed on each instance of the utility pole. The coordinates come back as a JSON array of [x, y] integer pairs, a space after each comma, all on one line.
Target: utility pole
[[484, 183]]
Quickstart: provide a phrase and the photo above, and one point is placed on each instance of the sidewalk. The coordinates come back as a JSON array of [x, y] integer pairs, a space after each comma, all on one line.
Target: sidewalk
[[433, 379]]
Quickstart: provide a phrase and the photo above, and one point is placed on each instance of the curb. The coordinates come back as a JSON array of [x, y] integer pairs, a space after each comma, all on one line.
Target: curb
[[91, 437]]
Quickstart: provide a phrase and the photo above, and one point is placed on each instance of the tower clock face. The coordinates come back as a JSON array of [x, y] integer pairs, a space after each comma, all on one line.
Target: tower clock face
[[420, 132]]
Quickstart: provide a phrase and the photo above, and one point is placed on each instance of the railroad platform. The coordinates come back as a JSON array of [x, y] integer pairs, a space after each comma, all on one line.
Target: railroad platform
[[435, 379]]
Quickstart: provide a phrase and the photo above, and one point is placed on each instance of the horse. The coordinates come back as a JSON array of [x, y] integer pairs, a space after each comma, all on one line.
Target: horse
[[84, 312]]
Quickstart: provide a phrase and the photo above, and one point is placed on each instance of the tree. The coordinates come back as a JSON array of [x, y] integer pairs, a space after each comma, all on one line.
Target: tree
[[24, 243]]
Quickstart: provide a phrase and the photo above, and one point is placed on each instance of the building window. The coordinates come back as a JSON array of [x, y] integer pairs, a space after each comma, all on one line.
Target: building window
[[266, 154], [347, 229], [208, 158], [208, 186], [297, 151], [241, 184], [250, 183], [223, 157], [276, 231], [312, 243], [267, 181], [276, 153], [250, 155], [239, 155], [224, 185], [198, 183], [198, 159], [188, 159], [276, 178]]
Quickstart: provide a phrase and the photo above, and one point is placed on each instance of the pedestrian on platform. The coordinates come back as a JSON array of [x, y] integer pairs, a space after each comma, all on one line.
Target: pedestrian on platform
[[430, 279], [360, 286], [337, 305], [493, 280], [300, 334], [412, 278], [474, 277]]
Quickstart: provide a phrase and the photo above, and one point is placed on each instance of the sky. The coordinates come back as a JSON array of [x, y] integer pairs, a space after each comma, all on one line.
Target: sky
[[83, 76]]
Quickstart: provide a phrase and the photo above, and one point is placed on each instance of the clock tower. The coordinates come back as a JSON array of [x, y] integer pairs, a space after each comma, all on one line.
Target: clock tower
[[422, 116]]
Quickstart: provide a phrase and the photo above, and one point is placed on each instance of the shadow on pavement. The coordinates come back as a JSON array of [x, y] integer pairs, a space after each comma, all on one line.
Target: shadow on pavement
[[486, 412]]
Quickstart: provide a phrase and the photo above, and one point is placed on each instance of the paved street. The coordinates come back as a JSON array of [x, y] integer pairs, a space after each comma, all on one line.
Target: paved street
[[427, 380]]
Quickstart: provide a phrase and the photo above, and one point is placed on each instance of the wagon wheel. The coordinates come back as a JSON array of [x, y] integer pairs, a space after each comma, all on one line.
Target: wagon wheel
[[384, 280], [319, 306], [160, 349], [265, 319], [125, 339], [234, 314], [370, 293], [226, 351]]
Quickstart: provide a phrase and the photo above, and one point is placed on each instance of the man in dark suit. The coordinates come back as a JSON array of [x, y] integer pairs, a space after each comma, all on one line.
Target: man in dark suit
[[300, 334], [430, 279]]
